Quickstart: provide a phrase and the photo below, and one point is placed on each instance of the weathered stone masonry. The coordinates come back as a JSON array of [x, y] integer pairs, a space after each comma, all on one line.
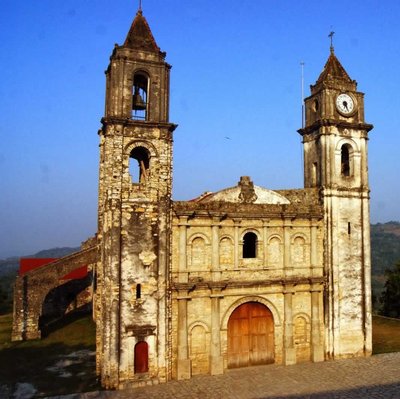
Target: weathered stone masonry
[[239, 277]]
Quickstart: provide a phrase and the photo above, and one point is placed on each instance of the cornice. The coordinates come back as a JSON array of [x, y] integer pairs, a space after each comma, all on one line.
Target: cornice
[[334, 122]]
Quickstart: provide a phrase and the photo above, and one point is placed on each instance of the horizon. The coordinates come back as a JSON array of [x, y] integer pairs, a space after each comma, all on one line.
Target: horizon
[[236, 81]]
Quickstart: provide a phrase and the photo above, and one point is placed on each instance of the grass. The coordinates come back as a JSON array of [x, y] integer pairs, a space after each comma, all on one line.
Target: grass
[[29, 361], [385, 334]]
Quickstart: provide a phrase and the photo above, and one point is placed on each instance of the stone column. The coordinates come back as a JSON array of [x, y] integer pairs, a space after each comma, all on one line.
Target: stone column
[[317, 348], [314, 250], [184, 364], [19, 312], [265, 244], [287, 247], [289, 351], [183, 272], [215, 270], [216, 360]]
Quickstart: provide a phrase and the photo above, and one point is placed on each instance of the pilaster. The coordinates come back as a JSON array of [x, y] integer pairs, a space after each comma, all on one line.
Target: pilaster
[[184, 363], [289, 351]]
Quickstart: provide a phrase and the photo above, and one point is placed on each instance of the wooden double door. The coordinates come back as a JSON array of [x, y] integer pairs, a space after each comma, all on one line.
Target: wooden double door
[[250, 336]]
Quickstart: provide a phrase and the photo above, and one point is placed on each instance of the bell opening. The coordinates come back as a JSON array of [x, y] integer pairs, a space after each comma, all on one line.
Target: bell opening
[[139, 97]]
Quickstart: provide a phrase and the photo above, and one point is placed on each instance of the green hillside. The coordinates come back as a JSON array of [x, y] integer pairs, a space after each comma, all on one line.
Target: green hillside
[[385, 252]]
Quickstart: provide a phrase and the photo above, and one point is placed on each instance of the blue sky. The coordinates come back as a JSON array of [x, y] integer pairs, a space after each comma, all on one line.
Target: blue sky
[[235, 94]]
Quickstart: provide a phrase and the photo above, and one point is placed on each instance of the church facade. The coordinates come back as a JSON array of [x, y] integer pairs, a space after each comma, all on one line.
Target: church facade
[[239, 277]]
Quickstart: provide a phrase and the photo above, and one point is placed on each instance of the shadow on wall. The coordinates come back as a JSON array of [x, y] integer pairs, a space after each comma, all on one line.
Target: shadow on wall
[[66, 303]]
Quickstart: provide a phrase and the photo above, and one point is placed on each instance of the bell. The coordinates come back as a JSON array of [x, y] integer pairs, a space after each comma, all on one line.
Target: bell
[[137, 102]]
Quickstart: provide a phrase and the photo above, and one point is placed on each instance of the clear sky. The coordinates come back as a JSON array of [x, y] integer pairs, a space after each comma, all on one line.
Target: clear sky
[[235, 93]]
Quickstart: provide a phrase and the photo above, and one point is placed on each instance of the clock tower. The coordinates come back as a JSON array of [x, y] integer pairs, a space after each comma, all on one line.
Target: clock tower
[[335, 140]]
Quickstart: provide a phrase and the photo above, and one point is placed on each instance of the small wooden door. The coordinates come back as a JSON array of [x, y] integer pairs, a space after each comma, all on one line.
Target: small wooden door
[[141, 357], [250, 336]]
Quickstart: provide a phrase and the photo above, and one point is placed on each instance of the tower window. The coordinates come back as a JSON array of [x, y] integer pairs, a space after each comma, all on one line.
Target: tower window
[[139, 170], [138, 291], [139, 96], [250, 245], [345, 160]]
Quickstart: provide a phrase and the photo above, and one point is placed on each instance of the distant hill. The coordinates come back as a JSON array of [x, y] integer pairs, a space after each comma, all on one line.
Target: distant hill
[[11, 264], [385, 252]]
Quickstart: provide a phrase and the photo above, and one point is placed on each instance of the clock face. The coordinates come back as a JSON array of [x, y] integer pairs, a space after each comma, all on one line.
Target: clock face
[[345, 104]]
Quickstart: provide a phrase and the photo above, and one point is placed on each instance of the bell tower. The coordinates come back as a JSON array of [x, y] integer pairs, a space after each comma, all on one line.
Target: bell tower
[[134, 221], [335, 140]]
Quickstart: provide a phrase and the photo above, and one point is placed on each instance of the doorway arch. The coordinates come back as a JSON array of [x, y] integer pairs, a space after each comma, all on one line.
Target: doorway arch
[[250, 335]]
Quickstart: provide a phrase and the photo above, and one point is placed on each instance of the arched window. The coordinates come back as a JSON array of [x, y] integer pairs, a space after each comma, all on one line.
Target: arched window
[[345, 160], [250, 245], [139, 96], [139, 169], [141, 357]]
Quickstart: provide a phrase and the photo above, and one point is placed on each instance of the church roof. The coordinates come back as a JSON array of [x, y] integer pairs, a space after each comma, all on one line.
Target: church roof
[[244, 192], [333, 69], [140, 36]]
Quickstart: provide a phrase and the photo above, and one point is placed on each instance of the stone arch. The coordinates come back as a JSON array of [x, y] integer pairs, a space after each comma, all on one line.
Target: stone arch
[[346, 152], [298, 248], [250, 335], [28, 307], [58, 301], [138, 160], [226, 250], [141, 357], [199, 235], [250, 240], [199, 348], [250, 230], [302, 336], [140, 143], [348, 141], [199, 252], [141, 85], [241, 301], [274, 249]]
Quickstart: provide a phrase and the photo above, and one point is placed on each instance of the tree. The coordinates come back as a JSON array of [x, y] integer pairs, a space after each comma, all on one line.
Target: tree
[[390, 298]]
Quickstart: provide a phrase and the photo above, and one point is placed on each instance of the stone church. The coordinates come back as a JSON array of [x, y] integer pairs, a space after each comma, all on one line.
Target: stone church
[[235, 278]]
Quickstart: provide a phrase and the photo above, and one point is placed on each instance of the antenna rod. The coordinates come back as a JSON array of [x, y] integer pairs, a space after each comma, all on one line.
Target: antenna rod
[[140, 5], [302, 94]]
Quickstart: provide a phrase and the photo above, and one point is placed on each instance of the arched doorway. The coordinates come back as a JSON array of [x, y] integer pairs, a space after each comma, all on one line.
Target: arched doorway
[[141, 357], [250, 335]]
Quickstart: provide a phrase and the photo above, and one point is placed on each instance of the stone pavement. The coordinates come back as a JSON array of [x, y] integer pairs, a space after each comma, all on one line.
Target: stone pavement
[[374, 377]]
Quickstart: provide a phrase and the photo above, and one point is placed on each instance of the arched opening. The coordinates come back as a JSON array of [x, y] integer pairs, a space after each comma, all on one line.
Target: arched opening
[[250, 245], [250, 335], [199, 350], [139, 96], [141, 357], [345, 160], [302, 339], [65, 303], [139, 169]]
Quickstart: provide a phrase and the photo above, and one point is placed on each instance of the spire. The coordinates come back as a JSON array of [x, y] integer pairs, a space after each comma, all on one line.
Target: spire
[[333, 70], [139, 35]]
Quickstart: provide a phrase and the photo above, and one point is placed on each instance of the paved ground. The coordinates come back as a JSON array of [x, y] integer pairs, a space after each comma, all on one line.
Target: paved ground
[[374, 377]]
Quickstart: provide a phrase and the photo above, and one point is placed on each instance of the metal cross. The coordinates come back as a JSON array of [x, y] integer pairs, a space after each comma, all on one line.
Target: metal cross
[[331, 36]]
